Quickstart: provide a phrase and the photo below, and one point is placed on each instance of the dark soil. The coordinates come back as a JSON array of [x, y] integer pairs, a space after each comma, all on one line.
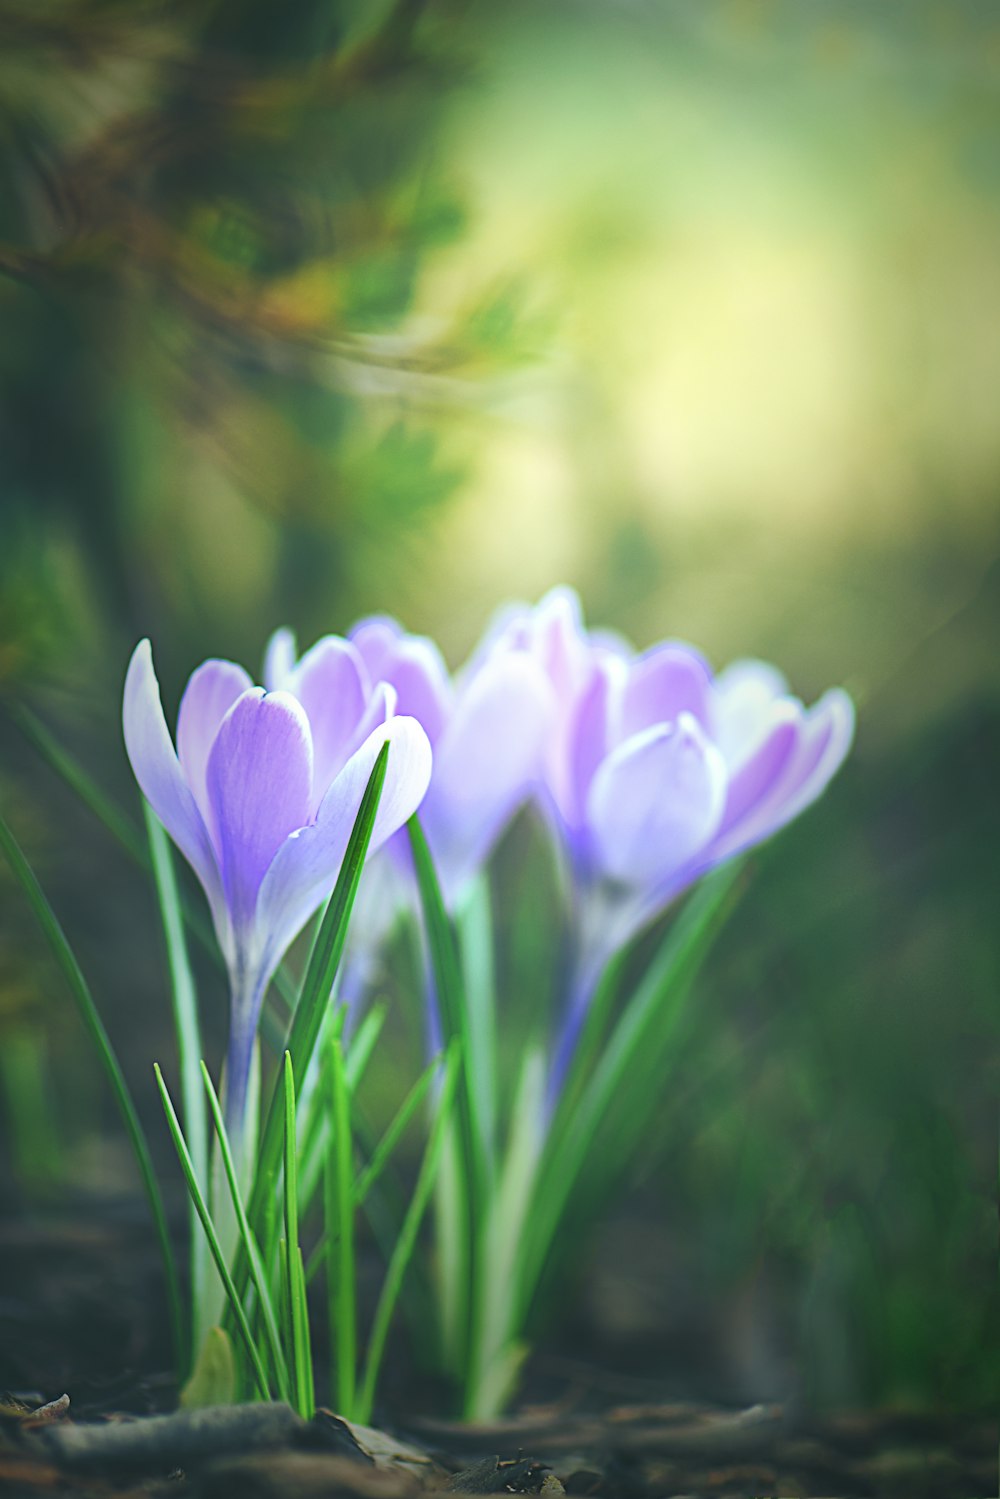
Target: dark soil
[[80, 1316]]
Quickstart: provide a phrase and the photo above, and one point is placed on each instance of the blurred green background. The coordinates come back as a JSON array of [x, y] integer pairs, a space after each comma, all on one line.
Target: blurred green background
[[310, 311]]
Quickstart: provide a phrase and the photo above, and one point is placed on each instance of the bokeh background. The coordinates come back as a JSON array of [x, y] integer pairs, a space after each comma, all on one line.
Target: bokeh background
[[415, 305]]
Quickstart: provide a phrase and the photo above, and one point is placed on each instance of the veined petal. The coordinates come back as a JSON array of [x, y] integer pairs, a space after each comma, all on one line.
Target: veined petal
[[159, 774], [332, 684], [304, 870], [655, 801], [279, 660], [210, 693], [259, 782], [488, 760], [663, 683]]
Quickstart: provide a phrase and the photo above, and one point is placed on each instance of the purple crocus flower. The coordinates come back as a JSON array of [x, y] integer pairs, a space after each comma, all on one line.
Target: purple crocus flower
[[488, 728], [261, 795], [660, 771]]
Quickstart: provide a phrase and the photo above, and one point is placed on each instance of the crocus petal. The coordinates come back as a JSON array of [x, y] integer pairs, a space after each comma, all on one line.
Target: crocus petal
[[376, 638], [655, 801], [584, 746], [158, 772], [414, 666], [561, 642], [827, 736], [279, 660], [331, 682], [259, 783], [821, 741], [305, 868], [210, 693], [487, 761], [743, 701], [752, 785], [665, 682]]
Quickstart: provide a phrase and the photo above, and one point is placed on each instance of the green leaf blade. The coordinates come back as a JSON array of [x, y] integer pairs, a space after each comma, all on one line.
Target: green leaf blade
[[187, 1166]]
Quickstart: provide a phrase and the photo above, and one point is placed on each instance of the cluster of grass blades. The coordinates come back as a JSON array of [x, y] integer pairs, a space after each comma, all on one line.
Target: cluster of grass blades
[[307, 1149]]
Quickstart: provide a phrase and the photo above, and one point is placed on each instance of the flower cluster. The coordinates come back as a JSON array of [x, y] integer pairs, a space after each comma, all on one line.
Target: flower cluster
[[649, 769]]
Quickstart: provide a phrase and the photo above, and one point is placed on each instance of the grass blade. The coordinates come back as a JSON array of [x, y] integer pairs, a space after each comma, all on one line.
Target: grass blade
[[339, 1216], [464, 1182], [381, 1154], [186, 1025], [406, 1242], [298, 1313], [187, 1166], [475, 929], [317, 1116], [76, 778], [317, 985], [642, 1032], [499, 1351], [447, 974], [249, 1243], [80, 990], [362, 1044], [394, 1132]]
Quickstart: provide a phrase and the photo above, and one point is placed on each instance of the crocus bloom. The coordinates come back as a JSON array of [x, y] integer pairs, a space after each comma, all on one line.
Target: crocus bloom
[[660, 770], [261, 795], [488, 729]]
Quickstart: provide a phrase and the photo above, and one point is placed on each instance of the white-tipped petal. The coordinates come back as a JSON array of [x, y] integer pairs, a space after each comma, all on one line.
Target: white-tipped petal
[[279, 659], [158, 771], [305, 869], [210, 693]]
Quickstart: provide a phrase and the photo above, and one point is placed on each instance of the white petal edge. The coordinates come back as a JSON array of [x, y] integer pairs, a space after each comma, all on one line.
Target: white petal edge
[[157, 769]]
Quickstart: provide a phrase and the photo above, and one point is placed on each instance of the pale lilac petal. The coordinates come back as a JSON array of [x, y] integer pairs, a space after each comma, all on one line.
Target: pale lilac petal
[[611, 643], [585, 745], [743, 703], [655, 801], [487, 762], [665, 682], [158, 772], [380, 708], [331, 682], [279, 660], [304, 870], [509, 629], [412, 664], [561, 643], [259, 784], [377, 638], [752, 785], [210, 693], [821, 741], [423, 690], [827, 737]]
